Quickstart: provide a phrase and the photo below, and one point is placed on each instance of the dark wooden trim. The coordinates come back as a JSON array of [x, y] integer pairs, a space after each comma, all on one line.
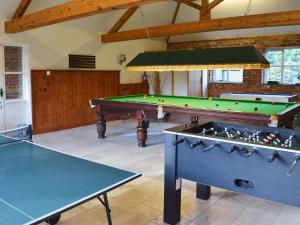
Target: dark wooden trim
[[126, 108]]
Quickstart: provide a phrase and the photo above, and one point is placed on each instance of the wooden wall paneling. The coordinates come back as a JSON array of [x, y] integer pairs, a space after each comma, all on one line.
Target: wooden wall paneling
[[61, 100], [75, 94], [134, 88]]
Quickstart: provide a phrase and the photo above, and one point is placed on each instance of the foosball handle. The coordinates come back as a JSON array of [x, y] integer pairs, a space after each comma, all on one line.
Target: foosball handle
[[179, 141], [297, 157], [274, 155], [210, 147], [234, 148], [251, 152], [195, 144]]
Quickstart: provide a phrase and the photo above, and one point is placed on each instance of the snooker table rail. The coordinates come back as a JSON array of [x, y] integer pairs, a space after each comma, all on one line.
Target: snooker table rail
[[144, 111]]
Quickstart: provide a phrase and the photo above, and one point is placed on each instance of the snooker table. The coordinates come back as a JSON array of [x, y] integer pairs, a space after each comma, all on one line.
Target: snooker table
[[179, 109], [260, 97]]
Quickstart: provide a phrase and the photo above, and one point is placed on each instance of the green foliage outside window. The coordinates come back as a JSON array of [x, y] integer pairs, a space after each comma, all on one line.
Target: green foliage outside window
[[285, 65]]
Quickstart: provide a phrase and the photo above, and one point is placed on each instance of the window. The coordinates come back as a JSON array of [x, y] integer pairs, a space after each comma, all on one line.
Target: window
[[13, 61], [285, 65], [228, 76]]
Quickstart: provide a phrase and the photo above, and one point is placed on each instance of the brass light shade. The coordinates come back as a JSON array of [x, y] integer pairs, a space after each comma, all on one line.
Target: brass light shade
[[212, 58]]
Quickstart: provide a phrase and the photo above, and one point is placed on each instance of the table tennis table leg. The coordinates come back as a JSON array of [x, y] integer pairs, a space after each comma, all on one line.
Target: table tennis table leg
[[104, 202]]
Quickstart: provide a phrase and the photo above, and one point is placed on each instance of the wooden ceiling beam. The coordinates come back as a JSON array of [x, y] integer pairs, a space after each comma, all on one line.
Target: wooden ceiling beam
[[189, 3], [71, 10], [231, 23], [214, 3], [21, 9], [174, 18], [129, 12]]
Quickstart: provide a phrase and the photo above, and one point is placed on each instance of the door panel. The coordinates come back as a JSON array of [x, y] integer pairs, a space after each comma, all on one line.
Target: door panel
[[195, 83]]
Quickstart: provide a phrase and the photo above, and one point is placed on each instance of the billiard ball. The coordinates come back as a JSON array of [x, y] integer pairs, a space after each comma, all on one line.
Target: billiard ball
[[209, 98], [273, 102], [236, 102], [217, 105], [162, 100], [152, 96], [186, 105], [286, 105], [145, 96], [228, 109], [255, 109]]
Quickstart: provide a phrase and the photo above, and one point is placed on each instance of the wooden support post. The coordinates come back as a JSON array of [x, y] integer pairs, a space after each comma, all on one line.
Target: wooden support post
[[205, 11], [173, 83], [157, 83]]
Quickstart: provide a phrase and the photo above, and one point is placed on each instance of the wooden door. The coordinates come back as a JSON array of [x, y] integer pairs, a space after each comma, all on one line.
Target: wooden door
[[195, 83]]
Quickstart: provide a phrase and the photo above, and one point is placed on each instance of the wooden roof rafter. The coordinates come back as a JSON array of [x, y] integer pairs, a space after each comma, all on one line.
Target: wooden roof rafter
[[189, 3], [67, 11], [230, 23], [124, 18], [174, 18], [21, 9], [214, 3]]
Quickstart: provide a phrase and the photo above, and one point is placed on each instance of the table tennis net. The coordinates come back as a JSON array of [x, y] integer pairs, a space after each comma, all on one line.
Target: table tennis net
[[15, 135]]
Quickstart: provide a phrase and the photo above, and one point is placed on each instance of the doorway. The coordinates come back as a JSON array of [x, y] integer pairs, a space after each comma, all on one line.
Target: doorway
[[2, 96], [197, 83]]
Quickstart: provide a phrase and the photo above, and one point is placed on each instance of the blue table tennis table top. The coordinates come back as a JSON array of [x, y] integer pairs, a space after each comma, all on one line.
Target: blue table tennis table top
[[37, 182]]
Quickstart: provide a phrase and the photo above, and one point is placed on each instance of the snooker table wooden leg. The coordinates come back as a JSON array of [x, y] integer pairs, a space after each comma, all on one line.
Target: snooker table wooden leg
[[141, 129], [203, 191], [101, 124]]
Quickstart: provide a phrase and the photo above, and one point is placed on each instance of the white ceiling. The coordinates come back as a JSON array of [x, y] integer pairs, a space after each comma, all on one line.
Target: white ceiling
[[162, 13]]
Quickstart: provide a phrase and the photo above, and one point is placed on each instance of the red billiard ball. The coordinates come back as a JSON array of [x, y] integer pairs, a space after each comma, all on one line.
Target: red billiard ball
[[273, 102]]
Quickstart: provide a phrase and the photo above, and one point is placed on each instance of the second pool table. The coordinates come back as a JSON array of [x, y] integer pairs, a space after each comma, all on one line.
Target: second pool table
[[180, 109]]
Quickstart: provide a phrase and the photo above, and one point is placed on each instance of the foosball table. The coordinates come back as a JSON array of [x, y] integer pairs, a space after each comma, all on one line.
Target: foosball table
[[252, 160]]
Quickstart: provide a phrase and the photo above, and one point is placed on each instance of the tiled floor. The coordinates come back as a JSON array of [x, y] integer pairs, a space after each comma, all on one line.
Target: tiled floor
[[141, 201]]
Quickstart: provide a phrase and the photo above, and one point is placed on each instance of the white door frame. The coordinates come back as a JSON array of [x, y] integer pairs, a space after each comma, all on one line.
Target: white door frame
[[15, 112], [2, 90]]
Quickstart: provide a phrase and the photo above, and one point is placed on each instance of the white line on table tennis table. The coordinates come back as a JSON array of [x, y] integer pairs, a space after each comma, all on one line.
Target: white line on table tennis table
[[25, 214]]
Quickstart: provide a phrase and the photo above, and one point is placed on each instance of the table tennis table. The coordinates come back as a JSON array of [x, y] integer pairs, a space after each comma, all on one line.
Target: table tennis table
[[37, 183]]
